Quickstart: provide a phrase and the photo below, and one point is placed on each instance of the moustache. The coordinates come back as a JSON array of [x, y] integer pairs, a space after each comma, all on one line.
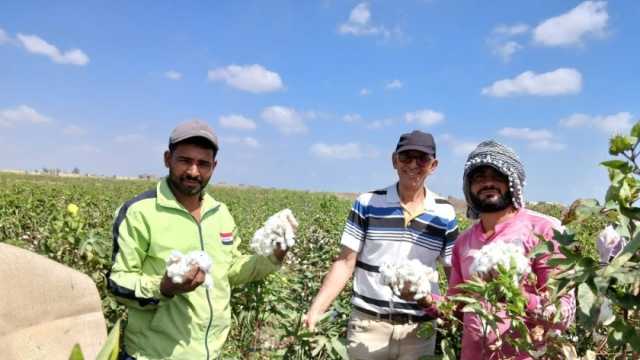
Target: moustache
[[488, 188], [191, 178]]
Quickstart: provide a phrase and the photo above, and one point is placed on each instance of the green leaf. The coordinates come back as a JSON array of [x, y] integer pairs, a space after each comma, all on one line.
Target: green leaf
[[426, 330], [76, 353], [586, 299], [447, 350], [621, 165], [339, 347], [635, 130], [111, 347], [621, 143]]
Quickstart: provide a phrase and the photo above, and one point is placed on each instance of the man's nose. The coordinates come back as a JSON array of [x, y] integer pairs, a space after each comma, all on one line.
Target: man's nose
[[193, 169]]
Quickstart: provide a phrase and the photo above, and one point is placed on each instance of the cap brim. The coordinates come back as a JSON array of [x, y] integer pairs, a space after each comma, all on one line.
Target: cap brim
[[178, 139], [423, 149]]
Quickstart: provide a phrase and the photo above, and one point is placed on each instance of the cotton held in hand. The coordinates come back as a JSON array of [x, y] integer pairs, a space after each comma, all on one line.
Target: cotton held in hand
[[413, 273], [279, 229], [489, 257], [178, 265]]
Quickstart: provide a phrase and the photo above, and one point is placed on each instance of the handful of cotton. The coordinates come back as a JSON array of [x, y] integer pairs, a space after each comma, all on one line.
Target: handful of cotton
[[413, 273], [278, 229], [489, 257], [178, 265]]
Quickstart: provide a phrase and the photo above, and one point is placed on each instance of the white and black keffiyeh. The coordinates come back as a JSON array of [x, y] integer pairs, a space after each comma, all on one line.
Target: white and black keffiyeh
[[504, 160]]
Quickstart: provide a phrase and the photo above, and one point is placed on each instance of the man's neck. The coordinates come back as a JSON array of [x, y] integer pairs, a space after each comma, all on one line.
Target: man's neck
[[490, 220], [408, 194]]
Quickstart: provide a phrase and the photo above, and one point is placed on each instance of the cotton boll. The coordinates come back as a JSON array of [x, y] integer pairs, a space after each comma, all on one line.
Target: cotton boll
[[412, 273], [508, 255], [178, 265], [278, 230]]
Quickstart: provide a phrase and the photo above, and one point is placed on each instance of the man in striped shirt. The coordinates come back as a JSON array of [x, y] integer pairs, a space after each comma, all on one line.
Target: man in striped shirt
[[402, 222]]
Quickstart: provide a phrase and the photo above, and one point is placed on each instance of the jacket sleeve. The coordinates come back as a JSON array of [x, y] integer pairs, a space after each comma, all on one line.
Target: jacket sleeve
[[126, 281], [247, 268]]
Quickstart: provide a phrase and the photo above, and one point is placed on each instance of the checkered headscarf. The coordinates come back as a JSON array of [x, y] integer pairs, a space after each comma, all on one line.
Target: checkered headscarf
[[504, 160]]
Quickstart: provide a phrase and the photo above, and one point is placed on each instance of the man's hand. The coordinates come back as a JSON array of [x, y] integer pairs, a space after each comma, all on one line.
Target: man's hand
[[408, 295], [194, 278], [310, 319]]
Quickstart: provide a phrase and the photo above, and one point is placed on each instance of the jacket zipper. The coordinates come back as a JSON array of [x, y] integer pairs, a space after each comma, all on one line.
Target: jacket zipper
[[206, 334]]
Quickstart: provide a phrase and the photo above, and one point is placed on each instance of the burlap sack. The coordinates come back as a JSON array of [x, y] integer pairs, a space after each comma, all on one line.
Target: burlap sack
[[46, 308]]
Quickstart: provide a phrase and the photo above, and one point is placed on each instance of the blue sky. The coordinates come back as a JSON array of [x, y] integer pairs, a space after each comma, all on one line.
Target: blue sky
[[314, 95]]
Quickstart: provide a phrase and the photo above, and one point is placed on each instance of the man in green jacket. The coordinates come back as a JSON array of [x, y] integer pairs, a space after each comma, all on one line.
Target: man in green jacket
[[180, 321]]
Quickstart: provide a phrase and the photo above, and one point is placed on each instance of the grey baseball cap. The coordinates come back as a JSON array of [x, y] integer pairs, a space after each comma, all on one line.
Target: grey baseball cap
[[193, 128], [417, 140]]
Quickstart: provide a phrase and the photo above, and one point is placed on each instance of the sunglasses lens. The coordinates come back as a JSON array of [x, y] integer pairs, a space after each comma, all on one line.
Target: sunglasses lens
[[421, 159]]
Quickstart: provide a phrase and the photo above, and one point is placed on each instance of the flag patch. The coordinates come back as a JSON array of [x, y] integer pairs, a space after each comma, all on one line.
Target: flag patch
[[226, 238]]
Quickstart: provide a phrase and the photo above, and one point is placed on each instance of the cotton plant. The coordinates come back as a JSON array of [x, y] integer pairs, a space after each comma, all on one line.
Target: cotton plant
[[178, 265], [488, 259], [278, 230], [413, 273]]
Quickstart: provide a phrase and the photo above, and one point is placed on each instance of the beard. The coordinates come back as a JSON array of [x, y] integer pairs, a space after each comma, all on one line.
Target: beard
[[492, 204], [179, 184]]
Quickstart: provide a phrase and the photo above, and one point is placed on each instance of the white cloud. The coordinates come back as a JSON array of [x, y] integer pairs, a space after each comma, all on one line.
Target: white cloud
[[506, 50], [501, 43], [459, 147], [425, 117], [588, 18], [74, 130], [21, 114], [346, 151], [526, 133], [359, 23], [511, 30], [4, 38], [246, 141], [252, 78], [562, 81], [37, 45], [128, 139], [549, 145], [351, 118], [394, 85], [620, 122], [541, 139], [365, 92], [379, 124], [237, 122], [286, 120], [173, 75]]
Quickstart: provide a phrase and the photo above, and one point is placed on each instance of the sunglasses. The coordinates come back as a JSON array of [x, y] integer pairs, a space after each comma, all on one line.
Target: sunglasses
[[421, 158]]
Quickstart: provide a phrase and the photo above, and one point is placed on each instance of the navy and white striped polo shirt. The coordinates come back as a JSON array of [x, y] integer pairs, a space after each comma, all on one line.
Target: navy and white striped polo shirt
[[376, 230]]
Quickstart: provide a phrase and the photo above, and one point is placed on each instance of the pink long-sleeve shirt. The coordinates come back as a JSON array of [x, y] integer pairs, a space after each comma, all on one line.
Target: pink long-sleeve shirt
[[522, 227]]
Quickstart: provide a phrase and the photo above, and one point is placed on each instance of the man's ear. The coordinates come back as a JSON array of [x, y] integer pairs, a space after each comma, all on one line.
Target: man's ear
[[394, 160], [167, 158], [434, 165]]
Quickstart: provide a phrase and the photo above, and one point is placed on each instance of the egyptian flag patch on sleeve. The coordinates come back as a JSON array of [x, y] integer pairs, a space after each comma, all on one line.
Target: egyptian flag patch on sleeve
[[226, 238]]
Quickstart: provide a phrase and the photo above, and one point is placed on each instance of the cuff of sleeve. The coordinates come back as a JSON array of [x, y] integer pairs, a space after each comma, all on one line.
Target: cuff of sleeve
[[351, 242], [533, 301], [153, 282]]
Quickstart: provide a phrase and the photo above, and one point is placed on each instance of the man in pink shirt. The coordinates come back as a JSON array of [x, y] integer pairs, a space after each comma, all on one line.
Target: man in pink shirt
[[493, 186]]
